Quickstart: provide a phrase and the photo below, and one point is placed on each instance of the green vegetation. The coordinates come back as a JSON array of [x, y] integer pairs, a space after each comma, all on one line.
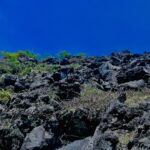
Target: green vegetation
[[64, 53], [15, 68], [81, 54], [5, 96], [12, 65], [39, 68], [13, 56]]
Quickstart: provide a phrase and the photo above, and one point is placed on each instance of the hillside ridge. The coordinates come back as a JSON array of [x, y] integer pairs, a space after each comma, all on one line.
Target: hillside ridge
[[75, 102]]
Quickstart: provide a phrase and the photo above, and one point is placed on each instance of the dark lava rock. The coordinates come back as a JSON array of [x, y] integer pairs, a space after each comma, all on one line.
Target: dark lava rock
[[77, 124], [56, 76], [68, 90], [64, 61], [131, 74], [9, 80], [35, 119]]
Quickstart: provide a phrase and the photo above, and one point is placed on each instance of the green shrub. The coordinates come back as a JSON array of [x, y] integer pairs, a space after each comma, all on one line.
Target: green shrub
[[13, 56], [9, 67], [81, 54], [64, 53], [5, 96]]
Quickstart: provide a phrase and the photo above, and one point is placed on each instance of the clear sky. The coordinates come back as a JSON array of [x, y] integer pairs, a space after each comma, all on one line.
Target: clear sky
[[92, 26]]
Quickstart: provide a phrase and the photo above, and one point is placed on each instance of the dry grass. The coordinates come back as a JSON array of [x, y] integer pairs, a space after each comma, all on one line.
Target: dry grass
[[136, 97], [94, 98], [91, 97]]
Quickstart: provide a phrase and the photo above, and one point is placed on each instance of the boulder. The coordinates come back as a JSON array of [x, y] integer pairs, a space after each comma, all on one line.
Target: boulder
[[40, 139], [39, 83], [108, 73], [138, 84], [131, 74], [77, 124]]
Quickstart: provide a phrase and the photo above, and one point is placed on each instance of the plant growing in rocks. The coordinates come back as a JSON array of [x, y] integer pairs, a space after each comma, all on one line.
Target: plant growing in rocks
[[91, 97], [63, 54], [5, 96]]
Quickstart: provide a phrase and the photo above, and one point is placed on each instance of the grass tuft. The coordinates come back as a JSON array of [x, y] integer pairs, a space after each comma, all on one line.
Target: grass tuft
[[5, 96]]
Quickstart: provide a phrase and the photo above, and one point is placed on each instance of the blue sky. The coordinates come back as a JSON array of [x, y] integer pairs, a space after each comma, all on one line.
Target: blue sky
[[96, 27]]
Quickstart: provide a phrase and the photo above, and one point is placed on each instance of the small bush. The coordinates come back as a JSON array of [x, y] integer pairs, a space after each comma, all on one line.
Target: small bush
[[81, 54], [5, 96], [9, 67], [64, 53]]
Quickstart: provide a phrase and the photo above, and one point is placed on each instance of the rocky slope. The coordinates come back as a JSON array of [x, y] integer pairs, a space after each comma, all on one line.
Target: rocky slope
[[35, 118]]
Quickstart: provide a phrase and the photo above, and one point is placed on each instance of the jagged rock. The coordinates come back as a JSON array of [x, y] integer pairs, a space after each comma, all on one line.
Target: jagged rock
[[108, 73], [77, 145], [139, 84], [65, 72], [131, 74], [19, 86], [40, 139], [102, 141]]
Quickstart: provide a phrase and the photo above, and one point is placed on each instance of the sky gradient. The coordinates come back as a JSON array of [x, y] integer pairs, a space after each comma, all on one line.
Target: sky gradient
[[96, 27]]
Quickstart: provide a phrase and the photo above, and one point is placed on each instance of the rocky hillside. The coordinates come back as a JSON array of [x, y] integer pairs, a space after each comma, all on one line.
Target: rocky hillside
[[75, 102]]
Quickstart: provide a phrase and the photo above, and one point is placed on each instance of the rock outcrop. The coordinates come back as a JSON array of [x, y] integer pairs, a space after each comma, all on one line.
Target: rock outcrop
[[34, 117]]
